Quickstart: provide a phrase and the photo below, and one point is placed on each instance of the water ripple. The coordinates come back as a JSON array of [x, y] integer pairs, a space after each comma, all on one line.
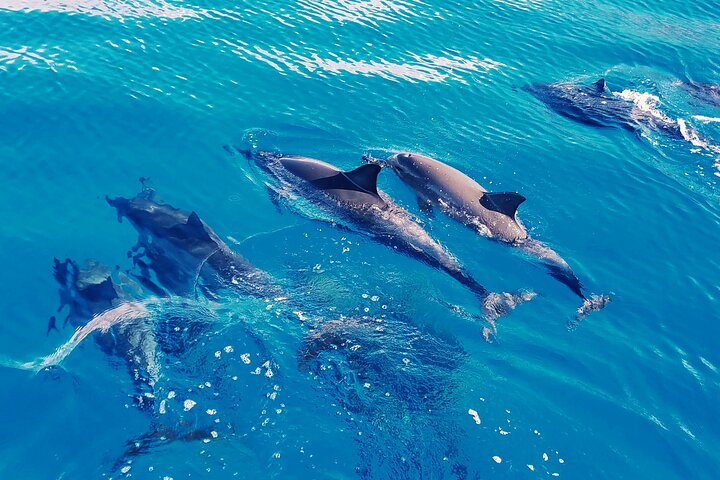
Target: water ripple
[[371, 12], [108, 9], [43, 56]]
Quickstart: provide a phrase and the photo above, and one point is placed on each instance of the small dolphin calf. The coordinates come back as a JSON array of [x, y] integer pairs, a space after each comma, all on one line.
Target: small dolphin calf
[[353, 199], [493, 215], [595, 105], [183, 250]]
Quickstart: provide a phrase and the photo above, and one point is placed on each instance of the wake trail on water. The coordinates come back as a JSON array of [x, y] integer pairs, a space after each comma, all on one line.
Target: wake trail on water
[[124, 313], [647, 105]]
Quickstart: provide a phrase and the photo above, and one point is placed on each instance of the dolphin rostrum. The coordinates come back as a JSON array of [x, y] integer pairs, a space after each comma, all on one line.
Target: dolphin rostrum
[[492, 215], [354, 201]]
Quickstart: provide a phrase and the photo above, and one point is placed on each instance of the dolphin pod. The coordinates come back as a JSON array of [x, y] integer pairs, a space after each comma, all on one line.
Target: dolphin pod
[[178, 255], [490, 214], [353, 200]]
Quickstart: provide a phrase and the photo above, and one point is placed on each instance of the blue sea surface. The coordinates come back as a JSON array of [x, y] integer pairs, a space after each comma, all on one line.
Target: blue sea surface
[[98, 93]]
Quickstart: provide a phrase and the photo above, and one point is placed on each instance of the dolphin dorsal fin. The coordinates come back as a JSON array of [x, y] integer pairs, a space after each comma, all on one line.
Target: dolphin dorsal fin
[[506, 203], [365, 177], [362, 179], [194, 221], [196, 227], [600, 85]]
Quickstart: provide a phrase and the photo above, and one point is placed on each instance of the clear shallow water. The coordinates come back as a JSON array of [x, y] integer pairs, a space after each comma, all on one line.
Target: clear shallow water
[[97, 94]]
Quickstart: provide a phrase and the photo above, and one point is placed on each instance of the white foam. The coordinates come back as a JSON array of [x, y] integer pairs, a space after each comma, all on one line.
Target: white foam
[[127, 312], [646, 103], [704, 119], [690, 134]]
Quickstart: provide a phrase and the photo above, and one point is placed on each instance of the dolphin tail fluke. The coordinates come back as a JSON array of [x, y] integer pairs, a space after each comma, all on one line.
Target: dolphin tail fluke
[[496, 305], [593, 303]]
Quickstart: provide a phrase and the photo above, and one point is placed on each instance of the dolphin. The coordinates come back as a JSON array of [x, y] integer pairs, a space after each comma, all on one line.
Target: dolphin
[[353, 199], [384, 371], [597, 106], [184, 251], [90, 290], [705, 92], [186, 255], [491, 214]]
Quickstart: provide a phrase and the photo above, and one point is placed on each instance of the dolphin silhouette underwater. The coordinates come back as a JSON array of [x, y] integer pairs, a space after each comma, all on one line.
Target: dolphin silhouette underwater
[[705, 92], [384, 370], [354, 201], [597, 106], [186, 256], [185, 253], [89, 291], [492, 215], [96, 305]]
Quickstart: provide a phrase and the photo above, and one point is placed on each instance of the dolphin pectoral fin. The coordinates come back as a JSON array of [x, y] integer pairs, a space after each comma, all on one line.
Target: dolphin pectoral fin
[[425, 206], [506, 203], [52, 325], [564, 275]]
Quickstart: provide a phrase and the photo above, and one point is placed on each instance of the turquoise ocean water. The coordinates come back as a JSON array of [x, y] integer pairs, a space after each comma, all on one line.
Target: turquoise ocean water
[[98, 93]]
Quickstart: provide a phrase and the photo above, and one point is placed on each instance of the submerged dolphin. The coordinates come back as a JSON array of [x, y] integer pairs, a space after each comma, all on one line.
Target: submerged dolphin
[[597, 106], [184, 251], [353, 198], [185, 254], [90, 290], [705, 92], [493, 215]]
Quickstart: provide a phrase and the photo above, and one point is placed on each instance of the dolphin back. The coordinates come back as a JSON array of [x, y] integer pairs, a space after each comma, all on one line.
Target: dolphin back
[[355, 187]]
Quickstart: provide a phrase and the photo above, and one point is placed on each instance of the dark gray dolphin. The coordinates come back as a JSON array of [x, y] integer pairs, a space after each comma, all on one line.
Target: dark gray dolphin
[[382, 371], [179, 254], [492, 215], [182, 250], [88, 291], [353, 199], [597, 106], [705, 92]]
